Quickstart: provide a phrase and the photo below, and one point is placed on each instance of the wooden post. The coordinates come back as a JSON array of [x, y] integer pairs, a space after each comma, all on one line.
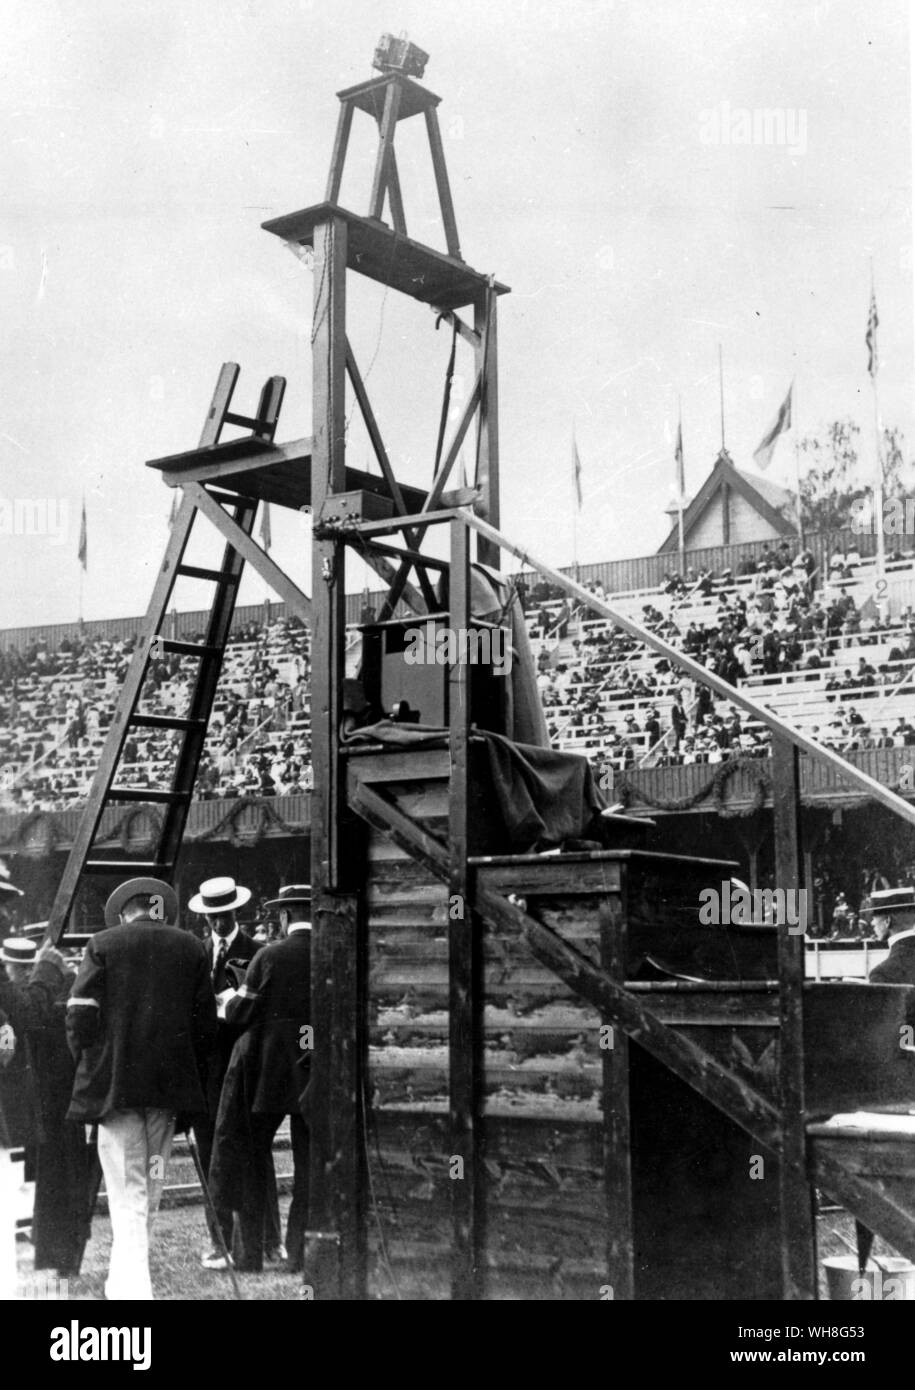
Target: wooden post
[[328, 474], [798, 1227], [464, 985], [616, 1107], [338, 950], [441, 182], [341, 140], [487, 473], [385, 149]]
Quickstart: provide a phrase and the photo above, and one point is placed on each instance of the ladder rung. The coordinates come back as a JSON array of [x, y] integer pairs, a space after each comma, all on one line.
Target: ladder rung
[[136, 867], [146, 794], [172, 644], [245, 422], [165, 721], [199, 572]]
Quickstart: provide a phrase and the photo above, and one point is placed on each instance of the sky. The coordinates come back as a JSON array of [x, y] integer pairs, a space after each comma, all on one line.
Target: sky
[[599, 167]]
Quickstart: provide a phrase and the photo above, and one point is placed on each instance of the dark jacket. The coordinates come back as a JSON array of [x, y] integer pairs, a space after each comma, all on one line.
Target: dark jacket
[[28, 1008], [272, 1008], [899, 966], [141, 1021], [243, 950]]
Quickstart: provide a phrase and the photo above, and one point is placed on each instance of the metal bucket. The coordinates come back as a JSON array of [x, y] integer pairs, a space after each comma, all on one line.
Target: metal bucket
[[895, 1282]]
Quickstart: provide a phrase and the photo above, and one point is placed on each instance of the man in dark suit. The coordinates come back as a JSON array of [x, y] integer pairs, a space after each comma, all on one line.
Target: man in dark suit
[[228, 950], [267, 1074], [141, 1021], [35, 999], [893, 919]]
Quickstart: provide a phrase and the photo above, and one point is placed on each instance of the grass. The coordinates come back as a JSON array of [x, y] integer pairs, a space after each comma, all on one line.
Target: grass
[[181, 1237]]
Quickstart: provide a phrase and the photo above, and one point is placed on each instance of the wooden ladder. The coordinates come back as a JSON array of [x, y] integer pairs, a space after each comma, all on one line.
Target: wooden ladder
[[152, 644]]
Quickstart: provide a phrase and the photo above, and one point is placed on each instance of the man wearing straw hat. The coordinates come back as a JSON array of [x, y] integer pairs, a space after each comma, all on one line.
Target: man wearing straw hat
[[141, 1021], [227, 947]]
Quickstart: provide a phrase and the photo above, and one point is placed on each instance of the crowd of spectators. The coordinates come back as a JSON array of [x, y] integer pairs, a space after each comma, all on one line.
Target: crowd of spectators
[[56, 707], [604, 693]]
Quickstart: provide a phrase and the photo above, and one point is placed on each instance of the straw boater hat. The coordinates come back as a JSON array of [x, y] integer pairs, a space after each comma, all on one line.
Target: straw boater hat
[[889, 900], [292, 893], [219, 895], [18, 950]]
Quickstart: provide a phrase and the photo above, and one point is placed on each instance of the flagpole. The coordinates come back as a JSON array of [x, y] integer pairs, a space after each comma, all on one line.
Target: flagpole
[[878, 470], [680, 482], [797, 463], [721, 392], [576, 488]]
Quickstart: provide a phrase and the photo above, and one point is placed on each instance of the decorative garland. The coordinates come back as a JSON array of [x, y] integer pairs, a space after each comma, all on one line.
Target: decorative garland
[[24, 833], [266, 819], [628, 791], [126, 823]]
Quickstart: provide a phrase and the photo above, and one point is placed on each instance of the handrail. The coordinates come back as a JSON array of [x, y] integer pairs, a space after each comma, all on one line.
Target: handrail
[[735, 694]]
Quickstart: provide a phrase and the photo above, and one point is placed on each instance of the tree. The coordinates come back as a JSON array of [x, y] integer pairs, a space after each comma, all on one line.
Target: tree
[[834, 475]]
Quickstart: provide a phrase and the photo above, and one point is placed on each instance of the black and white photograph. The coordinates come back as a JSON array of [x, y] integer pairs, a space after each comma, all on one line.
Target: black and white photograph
[[457, 662]]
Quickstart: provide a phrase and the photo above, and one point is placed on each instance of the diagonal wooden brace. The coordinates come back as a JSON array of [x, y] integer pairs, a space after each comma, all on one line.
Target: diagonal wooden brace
[[746, 1107], [259, 560]]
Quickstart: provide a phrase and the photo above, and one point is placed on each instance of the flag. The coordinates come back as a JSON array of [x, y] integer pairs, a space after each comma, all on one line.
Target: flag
[[576, 470], [266, 537], [82, 551], [870, 338], [678, 459], [762, 455]]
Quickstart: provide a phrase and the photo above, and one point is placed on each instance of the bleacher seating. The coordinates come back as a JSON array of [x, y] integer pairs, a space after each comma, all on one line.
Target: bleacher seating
[[821, 658]]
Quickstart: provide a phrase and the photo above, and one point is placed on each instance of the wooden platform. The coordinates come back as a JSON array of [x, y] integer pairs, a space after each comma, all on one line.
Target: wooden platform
[[277, 473], [382, 254]]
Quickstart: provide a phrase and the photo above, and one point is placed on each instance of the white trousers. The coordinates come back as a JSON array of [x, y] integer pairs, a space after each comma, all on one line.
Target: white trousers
[[133, 1149]]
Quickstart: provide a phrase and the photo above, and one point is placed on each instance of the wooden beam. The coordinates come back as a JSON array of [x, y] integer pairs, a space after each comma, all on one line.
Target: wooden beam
[[796, 1210], [386, 571], [616, 1108], [255, 555], [434, 497], [737, 695], [384, 463], [487, 460], [385, 146], [871, 1200], [395, 196], [395, 552], [465, 1014], [337, 1198], [440, 169], [338, 158]]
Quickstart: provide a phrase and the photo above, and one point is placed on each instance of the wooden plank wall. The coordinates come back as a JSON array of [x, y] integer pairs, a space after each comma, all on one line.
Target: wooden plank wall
[[545, 1232]]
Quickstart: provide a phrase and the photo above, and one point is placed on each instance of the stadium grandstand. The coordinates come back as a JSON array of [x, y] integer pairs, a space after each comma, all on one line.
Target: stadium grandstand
[[801, 627]]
